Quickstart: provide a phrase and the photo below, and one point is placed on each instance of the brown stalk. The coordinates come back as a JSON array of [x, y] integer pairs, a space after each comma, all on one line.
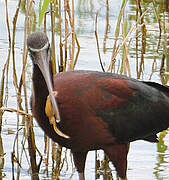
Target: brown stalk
[[25, 54], [78, 52], [13, 43], [56, 157], [61, 66], [162, 68], [9, 52], [137, 39], [153, 69], [143, 48], [126, 66], [19, 112], [119, 47], [47, 152], [73, 35], [97, 42], [27, 29], [68, 10], [29, 119], [117, 32], [66, 42], [107, 26], [67, 32], [45, 23], [53, 55], [32, 148], [6, 68], [159, 24], [14, 159], [117, 50], [72, 24], [2, 95], [15, 75]]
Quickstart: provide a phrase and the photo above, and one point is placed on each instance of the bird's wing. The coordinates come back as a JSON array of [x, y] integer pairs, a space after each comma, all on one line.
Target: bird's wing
[[133, 109]]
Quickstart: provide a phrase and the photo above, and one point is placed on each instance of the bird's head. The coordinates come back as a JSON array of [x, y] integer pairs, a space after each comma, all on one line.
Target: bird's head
[[39, 49]]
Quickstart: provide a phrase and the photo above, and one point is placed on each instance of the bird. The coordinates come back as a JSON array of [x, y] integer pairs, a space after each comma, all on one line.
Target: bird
[[86, 110]]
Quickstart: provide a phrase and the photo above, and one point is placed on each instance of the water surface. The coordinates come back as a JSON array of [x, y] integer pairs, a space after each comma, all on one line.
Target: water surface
[[146, 161]]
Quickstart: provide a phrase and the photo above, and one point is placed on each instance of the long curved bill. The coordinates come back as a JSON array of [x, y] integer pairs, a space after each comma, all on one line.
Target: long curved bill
[[43, 63]]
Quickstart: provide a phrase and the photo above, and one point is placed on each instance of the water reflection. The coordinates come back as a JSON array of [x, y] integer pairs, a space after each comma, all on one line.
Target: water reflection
[[144, 55], [161, 157], [2, 161]]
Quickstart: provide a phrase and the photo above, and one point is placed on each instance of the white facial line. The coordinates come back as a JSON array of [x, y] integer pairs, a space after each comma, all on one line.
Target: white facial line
[[41, 49]]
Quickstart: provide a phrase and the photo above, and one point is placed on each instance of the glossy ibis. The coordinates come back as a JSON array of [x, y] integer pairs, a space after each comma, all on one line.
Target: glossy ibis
[[97, 110]]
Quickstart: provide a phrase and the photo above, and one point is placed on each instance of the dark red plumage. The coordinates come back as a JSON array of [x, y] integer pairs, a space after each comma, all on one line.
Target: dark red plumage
[[98, 110]]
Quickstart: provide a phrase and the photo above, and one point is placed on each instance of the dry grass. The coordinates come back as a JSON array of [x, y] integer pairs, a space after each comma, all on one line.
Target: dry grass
[[63, 12]]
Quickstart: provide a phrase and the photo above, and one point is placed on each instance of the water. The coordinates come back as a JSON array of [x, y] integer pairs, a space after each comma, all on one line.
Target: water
[[146, 161]]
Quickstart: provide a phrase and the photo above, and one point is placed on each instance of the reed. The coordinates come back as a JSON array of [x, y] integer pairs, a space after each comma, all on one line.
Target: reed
[[61, 18], [164, 59], [107, 25], [117, 33], [97, 42]]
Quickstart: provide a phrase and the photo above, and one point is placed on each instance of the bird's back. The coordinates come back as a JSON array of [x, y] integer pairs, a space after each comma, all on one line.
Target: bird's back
[[128, 108]]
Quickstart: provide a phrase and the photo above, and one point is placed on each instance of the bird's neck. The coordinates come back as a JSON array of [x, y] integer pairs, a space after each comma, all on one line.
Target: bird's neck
[[39, 98]]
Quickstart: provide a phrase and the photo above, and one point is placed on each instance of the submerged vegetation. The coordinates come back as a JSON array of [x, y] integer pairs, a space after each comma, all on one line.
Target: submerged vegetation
[[132, 44]]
